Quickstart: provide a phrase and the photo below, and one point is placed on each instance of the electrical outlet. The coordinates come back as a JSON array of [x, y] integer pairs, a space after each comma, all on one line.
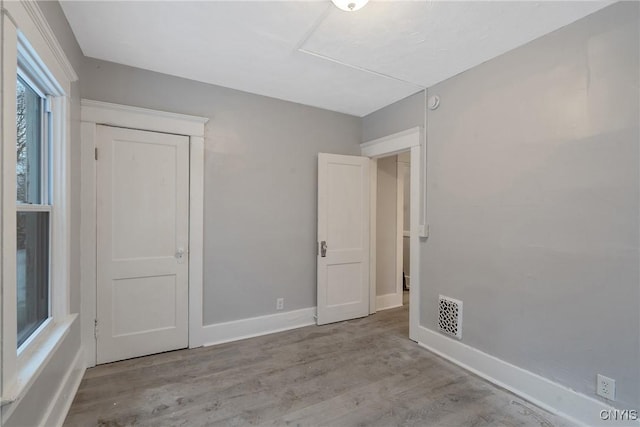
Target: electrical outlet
[[606, 387], [280, 304]]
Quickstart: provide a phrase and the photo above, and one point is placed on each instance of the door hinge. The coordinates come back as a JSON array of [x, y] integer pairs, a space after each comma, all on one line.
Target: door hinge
[[96, 153], [95, 328]]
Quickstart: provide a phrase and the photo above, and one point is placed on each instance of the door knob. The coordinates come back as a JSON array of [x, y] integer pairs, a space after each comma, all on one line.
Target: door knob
[[323, 249], [180, 255]]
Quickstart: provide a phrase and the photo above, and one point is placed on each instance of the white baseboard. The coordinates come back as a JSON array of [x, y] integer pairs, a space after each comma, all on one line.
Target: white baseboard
[[384, 302], [555, 398], [247, 328], [59, 406]]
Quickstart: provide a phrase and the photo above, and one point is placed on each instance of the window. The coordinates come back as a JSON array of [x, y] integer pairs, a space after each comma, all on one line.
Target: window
[[35, 198], [33, 209]]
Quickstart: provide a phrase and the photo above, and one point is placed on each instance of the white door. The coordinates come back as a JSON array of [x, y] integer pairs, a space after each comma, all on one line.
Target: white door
[[343, 237], [142, 239]]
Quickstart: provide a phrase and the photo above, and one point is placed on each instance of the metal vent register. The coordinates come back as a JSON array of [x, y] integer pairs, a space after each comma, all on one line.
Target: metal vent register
[[450, 316]]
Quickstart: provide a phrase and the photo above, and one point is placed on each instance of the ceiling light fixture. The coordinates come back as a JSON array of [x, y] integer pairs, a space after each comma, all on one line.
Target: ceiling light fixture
[[350, 5]]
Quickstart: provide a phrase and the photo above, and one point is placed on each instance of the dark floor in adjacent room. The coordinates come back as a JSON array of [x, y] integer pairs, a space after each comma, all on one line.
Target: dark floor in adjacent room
[[357, 373]]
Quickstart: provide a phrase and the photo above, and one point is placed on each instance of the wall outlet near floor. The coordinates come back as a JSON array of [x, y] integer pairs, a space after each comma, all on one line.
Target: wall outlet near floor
[[606, 387], [280, 304]]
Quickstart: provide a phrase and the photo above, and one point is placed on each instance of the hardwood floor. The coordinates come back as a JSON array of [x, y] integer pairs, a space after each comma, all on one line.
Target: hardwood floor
[[357, 373]]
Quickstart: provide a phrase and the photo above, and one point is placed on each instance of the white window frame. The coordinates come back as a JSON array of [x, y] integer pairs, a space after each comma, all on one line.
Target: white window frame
[[46, 199], [28, 44]]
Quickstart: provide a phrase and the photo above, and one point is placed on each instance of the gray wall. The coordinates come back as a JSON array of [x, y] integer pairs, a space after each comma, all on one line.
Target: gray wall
[[386, 211], [260, 183], [533, 185], [402, 115]]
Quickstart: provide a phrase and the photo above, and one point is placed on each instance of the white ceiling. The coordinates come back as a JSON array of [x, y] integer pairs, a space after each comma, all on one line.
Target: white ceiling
[[311, 52]]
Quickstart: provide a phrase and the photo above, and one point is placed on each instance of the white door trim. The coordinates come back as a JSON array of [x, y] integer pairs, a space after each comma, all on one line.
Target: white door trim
[[392, 144], [411, 139], [373, 233], [101, 113], [400, 226]]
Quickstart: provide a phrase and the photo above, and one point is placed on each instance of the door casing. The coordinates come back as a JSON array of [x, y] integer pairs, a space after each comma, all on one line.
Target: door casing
[[413, 140], [94, 113]]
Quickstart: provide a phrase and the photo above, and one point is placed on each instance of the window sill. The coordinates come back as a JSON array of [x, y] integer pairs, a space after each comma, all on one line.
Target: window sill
[[32, 362]]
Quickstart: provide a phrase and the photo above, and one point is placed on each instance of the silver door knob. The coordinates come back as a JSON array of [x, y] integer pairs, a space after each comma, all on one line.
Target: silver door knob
[[180, 255], [323, 249]]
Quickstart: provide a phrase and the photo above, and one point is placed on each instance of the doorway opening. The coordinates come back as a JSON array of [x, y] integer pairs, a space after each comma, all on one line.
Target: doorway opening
[[410, 141], [347, 230], [392, 234]]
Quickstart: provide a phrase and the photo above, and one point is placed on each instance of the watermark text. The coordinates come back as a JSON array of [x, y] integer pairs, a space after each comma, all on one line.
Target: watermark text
[[619, 415]]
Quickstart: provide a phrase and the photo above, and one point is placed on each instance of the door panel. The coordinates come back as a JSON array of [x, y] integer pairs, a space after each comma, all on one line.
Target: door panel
[[342, 284], [151, 195], [131, 294], [343, 223], [142, 239]]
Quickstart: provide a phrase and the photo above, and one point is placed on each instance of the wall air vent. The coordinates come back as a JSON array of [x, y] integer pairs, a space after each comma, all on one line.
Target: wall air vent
[[450, 316]]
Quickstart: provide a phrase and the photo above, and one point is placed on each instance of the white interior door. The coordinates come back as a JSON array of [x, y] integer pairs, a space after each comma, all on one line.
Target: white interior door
[[142, 243], [343, 236]]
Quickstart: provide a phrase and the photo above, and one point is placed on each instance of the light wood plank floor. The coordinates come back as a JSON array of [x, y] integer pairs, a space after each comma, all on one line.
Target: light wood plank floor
[[357, 373]]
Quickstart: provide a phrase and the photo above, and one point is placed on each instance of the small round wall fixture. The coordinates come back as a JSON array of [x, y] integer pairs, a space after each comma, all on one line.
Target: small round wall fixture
[[350, 5], [434, 102]]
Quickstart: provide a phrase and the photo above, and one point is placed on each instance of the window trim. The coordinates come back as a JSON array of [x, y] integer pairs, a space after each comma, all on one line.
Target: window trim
[[28, 43]]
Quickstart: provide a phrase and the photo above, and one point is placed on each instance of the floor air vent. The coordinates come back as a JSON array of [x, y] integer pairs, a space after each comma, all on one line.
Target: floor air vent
[[450, 316]]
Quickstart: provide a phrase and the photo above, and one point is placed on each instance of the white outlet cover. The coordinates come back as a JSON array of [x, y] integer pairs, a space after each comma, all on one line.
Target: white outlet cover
[[606, 387]]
